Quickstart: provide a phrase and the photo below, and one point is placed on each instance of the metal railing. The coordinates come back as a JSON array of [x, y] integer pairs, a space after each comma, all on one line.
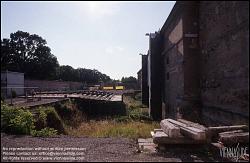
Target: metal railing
[[14, 92]]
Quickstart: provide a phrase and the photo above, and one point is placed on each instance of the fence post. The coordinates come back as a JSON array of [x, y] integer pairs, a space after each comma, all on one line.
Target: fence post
[[11, 102], [40, 97], [26, 96]]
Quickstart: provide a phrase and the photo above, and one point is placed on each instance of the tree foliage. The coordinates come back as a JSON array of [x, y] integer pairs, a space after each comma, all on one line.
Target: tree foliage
[[130, 82], [68, 73], [130, 79], [29, 53], [16, 120]]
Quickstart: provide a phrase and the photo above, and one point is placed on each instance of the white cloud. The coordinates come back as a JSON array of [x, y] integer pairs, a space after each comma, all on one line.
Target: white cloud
[[119, 48], [114, 50], [109, 50], [98, 9]]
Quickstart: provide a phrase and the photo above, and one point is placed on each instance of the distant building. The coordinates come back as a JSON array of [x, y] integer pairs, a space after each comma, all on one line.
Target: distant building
[[12, 81]]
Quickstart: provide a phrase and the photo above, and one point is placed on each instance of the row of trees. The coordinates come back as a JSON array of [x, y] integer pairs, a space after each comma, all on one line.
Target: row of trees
[[29, 53], [129, 80], [68, 73]]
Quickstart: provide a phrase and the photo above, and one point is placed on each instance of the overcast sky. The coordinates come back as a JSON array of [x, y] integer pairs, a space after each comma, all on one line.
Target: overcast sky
[[107, 36]]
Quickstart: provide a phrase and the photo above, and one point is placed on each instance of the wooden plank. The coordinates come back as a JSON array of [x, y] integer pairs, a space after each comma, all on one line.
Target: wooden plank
[[228, 128], [213, 131], [234, 138], [148, 140], [192, 124], [148, 143], [191, 132], [170, 129], [156, 130], [231, 132], [162, 138], [177, 123]]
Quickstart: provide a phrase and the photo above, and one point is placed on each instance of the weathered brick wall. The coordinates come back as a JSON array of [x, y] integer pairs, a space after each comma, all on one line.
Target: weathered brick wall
[[190, 108], [224, 45], [181, 57], [205, 53], [45, 85], [173, 55]]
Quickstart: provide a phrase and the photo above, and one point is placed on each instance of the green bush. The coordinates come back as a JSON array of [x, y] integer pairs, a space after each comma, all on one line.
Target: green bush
[[69, 113], [45, 132], [41, 121], [138, 96], [53, 119], [19, 121], [16, 120], [13, 93], [134, 114], [64, 110], [2, 97]]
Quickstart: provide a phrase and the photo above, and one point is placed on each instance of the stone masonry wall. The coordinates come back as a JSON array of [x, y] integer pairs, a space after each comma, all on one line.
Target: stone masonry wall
[[45, 85], [172, 54], [224, 43]]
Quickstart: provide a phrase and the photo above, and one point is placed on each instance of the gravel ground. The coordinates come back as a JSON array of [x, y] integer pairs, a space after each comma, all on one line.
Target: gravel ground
[[100, 149]]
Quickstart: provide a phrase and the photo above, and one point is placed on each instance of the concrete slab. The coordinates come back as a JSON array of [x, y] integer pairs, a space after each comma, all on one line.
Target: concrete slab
[[147, 145], [116, 98]]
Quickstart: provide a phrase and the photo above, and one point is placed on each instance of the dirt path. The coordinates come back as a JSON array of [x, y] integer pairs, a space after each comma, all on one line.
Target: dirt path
[[99, 149]]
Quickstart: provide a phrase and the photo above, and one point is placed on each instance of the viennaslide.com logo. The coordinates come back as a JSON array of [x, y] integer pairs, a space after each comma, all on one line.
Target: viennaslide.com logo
[[233, 152]]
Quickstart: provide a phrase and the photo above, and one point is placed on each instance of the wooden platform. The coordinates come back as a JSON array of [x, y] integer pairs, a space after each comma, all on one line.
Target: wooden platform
[[160, 137], [21, 102]]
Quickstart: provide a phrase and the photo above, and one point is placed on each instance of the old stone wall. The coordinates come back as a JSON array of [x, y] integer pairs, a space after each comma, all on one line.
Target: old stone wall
[[45, 85], [224, 46], [173, 55], [181, 62], [205, 62]]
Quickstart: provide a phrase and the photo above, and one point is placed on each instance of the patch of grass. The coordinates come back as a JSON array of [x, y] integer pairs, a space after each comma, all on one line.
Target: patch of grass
[[132, 102], [70, 113], [138, 96], [110, 128], [45, 132], [136, 111], [136, 124]]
